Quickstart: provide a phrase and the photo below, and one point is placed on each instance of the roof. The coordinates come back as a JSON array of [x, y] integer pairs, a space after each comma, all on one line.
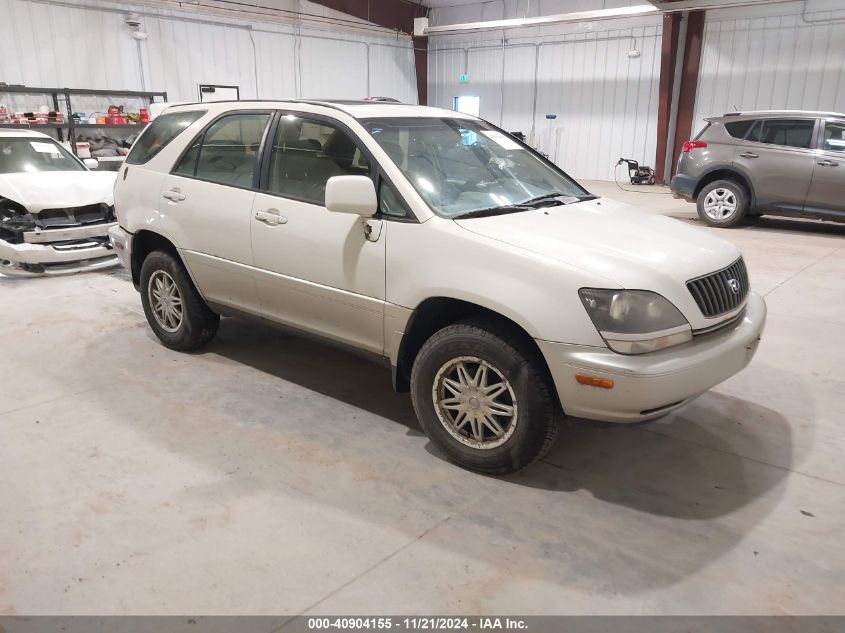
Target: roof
[[767, 113], [6, 132], [357, 109]]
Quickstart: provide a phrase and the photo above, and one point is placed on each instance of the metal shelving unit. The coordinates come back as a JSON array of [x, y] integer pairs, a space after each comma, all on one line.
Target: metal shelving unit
[[65, 95]]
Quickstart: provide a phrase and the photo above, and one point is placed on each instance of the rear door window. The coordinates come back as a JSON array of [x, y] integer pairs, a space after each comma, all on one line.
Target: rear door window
[[229, 151], [783, 132], [160, 133]]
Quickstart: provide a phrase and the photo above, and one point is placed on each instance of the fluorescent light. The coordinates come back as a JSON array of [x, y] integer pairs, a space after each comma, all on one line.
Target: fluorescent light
[[580, 16]]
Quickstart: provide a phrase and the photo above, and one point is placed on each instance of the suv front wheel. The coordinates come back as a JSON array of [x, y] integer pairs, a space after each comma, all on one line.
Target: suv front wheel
[[174, 309], [722, 203], [484, 399]]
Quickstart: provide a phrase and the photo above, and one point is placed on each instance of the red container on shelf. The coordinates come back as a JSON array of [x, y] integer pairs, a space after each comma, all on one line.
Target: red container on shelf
[[144, 115]]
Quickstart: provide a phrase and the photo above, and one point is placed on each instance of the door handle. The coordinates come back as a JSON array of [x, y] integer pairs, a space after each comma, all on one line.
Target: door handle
[[271, 217], [828, 163], [749, 155], [174, 195]]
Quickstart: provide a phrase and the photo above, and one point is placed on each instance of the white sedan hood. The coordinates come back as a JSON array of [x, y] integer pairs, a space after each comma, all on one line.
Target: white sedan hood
[[58, 189], [633, 248]]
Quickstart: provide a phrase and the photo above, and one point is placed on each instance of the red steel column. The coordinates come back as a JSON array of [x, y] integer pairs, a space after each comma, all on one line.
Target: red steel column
[[668, 59], [689, 79], [421, 63]]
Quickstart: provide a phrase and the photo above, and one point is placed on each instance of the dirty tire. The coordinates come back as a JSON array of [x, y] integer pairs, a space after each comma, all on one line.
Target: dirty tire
[[736, 194], [538, 412], [198, 324]]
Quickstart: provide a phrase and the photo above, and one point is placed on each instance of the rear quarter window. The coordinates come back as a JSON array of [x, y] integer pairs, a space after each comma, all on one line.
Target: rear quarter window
[[160, 133], [738, 129]]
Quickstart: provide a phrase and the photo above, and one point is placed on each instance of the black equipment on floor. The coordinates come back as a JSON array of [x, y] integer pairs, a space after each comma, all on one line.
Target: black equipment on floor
[[639, 174]]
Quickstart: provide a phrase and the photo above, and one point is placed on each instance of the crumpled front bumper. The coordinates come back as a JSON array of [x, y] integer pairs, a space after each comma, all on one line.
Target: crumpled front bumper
[[58, 252]]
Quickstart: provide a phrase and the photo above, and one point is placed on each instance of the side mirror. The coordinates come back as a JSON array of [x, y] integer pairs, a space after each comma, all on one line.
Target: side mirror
[[351, 194], [91, 163]]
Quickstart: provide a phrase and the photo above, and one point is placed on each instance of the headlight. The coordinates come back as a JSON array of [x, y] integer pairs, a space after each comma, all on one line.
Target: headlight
[[14, 220], [635, 321]]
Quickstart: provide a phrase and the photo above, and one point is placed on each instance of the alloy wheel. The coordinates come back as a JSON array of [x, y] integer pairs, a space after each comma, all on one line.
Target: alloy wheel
[[165, 301], [475, 402]]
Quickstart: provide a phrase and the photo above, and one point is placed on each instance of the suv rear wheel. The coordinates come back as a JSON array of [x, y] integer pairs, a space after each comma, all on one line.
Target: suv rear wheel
[[174, 309], [483, 399], [722, 203]]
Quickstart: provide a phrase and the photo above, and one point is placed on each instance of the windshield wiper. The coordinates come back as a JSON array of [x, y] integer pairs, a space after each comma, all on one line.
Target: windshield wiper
[[557, 194], [528, 205], [483, 213]]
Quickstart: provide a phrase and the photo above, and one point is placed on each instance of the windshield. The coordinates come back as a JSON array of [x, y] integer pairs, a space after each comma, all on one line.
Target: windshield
[[462, 166], [33, 154]]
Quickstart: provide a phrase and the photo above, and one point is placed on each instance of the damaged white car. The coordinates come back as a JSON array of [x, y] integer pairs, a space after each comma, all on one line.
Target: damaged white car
[[55, 213]]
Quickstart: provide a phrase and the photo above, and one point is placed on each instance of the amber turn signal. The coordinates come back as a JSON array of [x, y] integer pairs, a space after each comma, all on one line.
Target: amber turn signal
[[594, 381]]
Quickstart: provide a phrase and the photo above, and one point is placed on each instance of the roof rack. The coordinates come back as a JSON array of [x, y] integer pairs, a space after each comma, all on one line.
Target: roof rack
[[813, 113]]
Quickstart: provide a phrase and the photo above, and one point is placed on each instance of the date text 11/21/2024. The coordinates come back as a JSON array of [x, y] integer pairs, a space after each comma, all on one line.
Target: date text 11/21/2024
[[417, 623]]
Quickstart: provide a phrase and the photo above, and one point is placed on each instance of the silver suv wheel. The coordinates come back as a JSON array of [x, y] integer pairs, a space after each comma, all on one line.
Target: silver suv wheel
[[165, 301], [475, 402], [720, 204]]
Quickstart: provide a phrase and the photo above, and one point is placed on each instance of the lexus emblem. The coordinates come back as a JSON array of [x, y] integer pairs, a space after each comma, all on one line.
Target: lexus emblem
[[733, 284]]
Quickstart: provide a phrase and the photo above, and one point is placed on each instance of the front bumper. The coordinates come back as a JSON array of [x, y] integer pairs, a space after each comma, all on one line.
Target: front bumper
[[683, 187], [648, 386], [121, 242], [60, 251]]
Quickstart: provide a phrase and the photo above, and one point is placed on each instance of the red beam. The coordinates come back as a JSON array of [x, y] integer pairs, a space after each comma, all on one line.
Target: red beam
[[689, 79], [668, 58], [421, 65]]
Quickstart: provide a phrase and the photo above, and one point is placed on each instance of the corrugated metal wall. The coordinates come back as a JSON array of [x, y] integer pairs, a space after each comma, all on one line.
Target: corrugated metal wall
[[42, 45], [605, 101], [771, 59], [89, 46]]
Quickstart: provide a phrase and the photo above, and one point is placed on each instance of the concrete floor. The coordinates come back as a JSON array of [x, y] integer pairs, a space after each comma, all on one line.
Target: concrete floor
[[274, 475]]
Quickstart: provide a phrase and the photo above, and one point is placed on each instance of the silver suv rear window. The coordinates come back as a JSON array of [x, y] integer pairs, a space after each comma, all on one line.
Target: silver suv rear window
[[160, 132], [783, 132], [738, 129]]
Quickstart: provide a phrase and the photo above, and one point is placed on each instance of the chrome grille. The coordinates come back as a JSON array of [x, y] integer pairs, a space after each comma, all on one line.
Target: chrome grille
[[721, 292]]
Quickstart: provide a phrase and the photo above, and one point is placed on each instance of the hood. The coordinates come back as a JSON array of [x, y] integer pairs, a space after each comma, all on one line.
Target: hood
[[58, 189], [631, 247]]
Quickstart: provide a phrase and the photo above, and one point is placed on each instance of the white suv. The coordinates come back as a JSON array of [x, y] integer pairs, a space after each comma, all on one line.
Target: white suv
[[501, 292]]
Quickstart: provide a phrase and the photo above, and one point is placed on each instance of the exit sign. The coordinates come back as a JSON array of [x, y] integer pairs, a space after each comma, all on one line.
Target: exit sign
[[464, 78]]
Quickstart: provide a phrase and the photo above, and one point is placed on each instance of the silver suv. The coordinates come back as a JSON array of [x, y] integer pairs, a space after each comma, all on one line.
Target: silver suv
[[773, 163], [502, 294]]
